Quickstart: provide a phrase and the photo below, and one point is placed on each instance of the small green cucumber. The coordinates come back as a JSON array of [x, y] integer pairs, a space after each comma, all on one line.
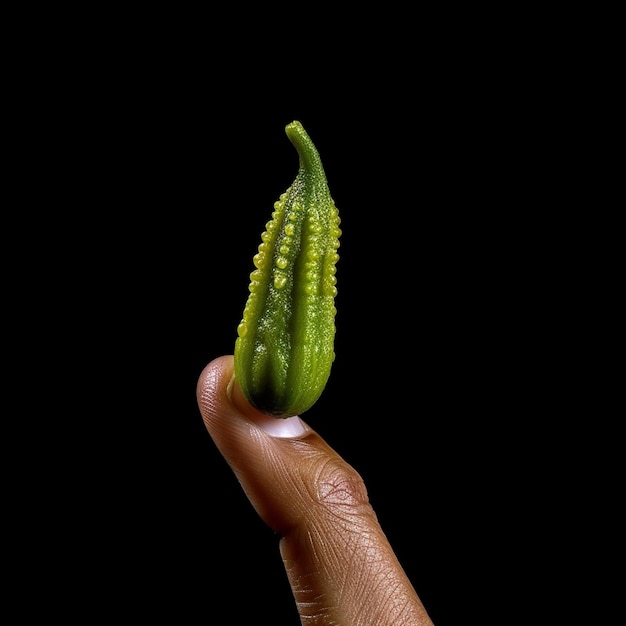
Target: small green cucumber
[[284, 349]]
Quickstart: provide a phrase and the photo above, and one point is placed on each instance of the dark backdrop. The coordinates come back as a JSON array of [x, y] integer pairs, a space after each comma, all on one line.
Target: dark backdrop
[[428, 318], [158, 179]]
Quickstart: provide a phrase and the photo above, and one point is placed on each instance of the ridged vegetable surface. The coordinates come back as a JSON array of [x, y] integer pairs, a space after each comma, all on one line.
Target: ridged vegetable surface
[[285, 342]]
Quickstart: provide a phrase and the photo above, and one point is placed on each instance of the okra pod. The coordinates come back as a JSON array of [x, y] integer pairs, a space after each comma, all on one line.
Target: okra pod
[[284, 349]]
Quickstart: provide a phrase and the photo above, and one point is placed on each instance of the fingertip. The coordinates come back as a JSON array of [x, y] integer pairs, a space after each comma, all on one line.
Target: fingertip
[[215, 370], [220, 398], [212, 385]]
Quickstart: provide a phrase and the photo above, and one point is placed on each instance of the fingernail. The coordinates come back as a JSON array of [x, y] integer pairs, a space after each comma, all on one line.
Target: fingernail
[[283, 428]]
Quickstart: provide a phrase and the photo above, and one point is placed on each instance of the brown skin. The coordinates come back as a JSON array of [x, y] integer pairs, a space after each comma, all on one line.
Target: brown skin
[[340, 565]]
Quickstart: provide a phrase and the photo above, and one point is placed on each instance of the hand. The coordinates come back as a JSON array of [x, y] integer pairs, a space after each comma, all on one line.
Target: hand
[[339, 563]]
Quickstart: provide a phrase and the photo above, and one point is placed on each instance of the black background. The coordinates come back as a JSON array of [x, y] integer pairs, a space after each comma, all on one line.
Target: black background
[[158, 168]]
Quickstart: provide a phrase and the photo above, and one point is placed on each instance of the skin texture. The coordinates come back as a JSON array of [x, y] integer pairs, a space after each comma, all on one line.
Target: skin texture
[[340, 565]]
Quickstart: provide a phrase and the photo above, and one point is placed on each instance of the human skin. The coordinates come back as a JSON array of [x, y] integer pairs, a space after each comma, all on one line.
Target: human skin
[[340, 565]]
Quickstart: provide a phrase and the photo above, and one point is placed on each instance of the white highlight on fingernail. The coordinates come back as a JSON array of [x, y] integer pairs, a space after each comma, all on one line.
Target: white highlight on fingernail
[[283, 428]]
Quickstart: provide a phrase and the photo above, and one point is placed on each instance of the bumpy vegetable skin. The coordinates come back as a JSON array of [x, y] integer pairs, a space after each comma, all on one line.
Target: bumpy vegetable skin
[[285, 344]]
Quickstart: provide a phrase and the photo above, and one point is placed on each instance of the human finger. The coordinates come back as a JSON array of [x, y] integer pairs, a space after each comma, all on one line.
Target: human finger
[[340, 565]]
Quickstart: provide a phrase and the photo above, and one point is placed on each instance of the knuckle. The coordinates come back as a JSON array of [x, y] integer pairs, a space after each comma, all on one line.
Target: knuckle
[[339, 485]]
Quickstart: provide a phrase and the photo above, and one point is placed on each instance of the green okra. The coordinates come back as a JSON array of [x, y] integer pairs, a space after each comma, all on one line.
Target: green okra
[[284, 350]]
